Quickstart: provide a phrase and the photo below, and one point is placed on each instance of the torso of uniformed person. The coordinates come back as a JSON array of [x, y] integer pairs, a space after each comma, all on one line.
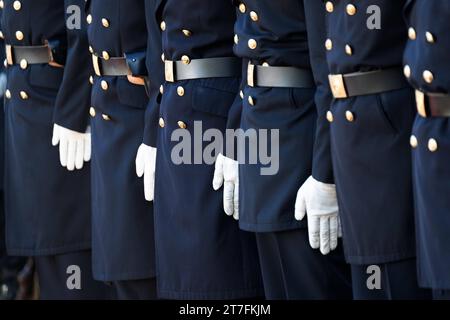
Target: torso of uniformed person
[[271, 32], [196, 29], [427, 58], [364, 35]]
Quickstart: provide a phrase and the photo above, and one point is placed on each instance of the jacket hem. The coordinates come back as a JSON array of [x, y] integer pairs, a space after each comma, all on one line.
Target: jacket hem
[[272, 227], [221, 295], [379, 259], [22, 252], [106, 277]]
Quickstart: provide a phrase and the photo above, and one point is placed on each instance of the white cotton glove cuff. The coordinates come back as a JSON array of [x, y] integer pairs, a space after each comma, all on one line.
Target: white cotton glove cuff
[[226, 174], [74, 147], [319, 201], [146, 166]]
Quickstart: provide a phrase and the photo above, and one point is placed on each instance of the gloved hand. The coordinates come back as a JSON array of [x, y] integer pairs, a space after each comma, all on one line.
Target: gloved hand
[[74, 147], [319, 200], [146, 166], [226, 174]]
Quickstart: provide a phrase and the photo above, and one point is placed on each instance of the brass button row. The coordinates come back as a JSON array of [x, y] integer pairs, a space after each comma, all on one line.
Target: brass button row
[[181, 124], [432, 143]]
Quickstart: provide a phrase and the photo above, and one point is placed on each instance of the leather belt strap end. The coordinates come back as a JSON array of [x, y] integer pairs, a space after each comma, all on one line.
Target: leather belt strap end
[[223, 67], [364, 83], [279, 77]]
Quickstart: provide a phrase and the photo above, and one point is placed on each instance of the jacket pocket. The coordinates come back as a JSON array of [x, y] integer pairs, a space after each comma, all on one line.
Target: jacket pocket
[[45, 76], [215, 97], [131, 94]]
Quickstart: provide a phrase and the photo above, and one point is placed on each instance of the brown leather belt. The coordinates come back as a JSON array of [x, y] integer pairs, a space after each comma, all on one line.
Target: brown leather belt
[[432, 104], [365, 83], [26, 55]]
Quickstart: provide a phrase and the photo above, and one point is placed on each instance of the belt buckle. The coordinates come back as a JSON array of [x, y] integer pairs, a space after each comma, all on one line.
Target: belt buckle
[[9, 54], [168, 71], [96, 64], [251, 75], [337, 86], [420, 103]]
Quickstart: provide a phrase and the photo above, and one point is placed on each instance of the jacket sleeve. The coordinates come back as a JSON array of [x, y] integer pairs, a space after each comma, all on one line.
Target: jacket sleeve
[[316, 27], [73, 99], [156, 75]]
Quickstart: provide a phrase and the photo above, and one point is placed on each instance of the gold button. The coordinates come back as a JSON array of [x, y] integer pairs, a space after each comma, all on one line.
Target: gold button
[[351, 9], [251, 101], [161, 122], [92, 112], [185, 59], [91, 79], [432, 145], [23, 95], [407, 71], [2, 4], [242, 8], [105, 55], [1, 35], [161, 89], [5, 63], [163, 58], [265, 64], [187, 33], [89, 19], [329, 6], [241, 94], [236, 39], [254, 16], [163, 25], [428, 76], [180, 91], [182, 125], [23, 64], [19, 35], [413, 141], [329, 44], [91, 50], [17, 5], [348, 50], [330, 117], [105, 23], [412, 33], [430, 37], [252, 44], [349, 116], [8, 94], [106, 117], [104, 85]]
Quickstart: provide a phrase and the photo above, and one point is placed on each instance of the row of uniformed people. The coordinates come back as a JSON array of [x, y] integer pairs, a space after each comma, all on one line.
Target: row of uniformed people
[[200, 253]]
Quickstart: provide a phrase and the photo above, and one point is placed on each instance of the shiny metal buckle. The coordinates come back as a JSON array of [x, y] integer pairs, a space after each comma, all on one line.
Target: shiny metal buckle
[[337, 86], [251, 75], [96, 65], [168, 71], [420, 104], [9, 54]]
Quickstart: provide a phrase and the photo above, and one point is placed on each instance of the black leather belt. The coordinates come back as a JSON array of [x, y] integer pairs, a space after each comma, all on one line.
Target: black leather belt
[[364, 83], [25, 55], [433, 104], [202, 68], [279, 77], [114, 67]]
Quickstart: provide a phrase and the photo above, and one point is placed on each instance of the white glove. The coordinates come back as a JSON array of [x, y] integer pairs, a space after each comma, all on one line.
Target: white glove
[[146, 166], [226, 174], [319, 200], [74, 147]]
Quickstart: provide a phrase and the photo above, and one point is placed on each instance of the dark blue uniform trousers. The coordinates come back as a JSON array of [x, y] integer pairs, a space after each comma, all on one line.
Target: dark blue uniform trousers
[[441, 294], [292, 270], [398, 282], [142, 289], [53, 275]]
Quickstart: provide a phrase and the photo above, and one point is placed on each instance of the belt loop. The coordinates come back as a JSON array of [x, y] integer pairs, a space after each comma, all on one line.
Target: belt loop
[[337, 86], [251, 75], [96, 64], [420, 103]]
